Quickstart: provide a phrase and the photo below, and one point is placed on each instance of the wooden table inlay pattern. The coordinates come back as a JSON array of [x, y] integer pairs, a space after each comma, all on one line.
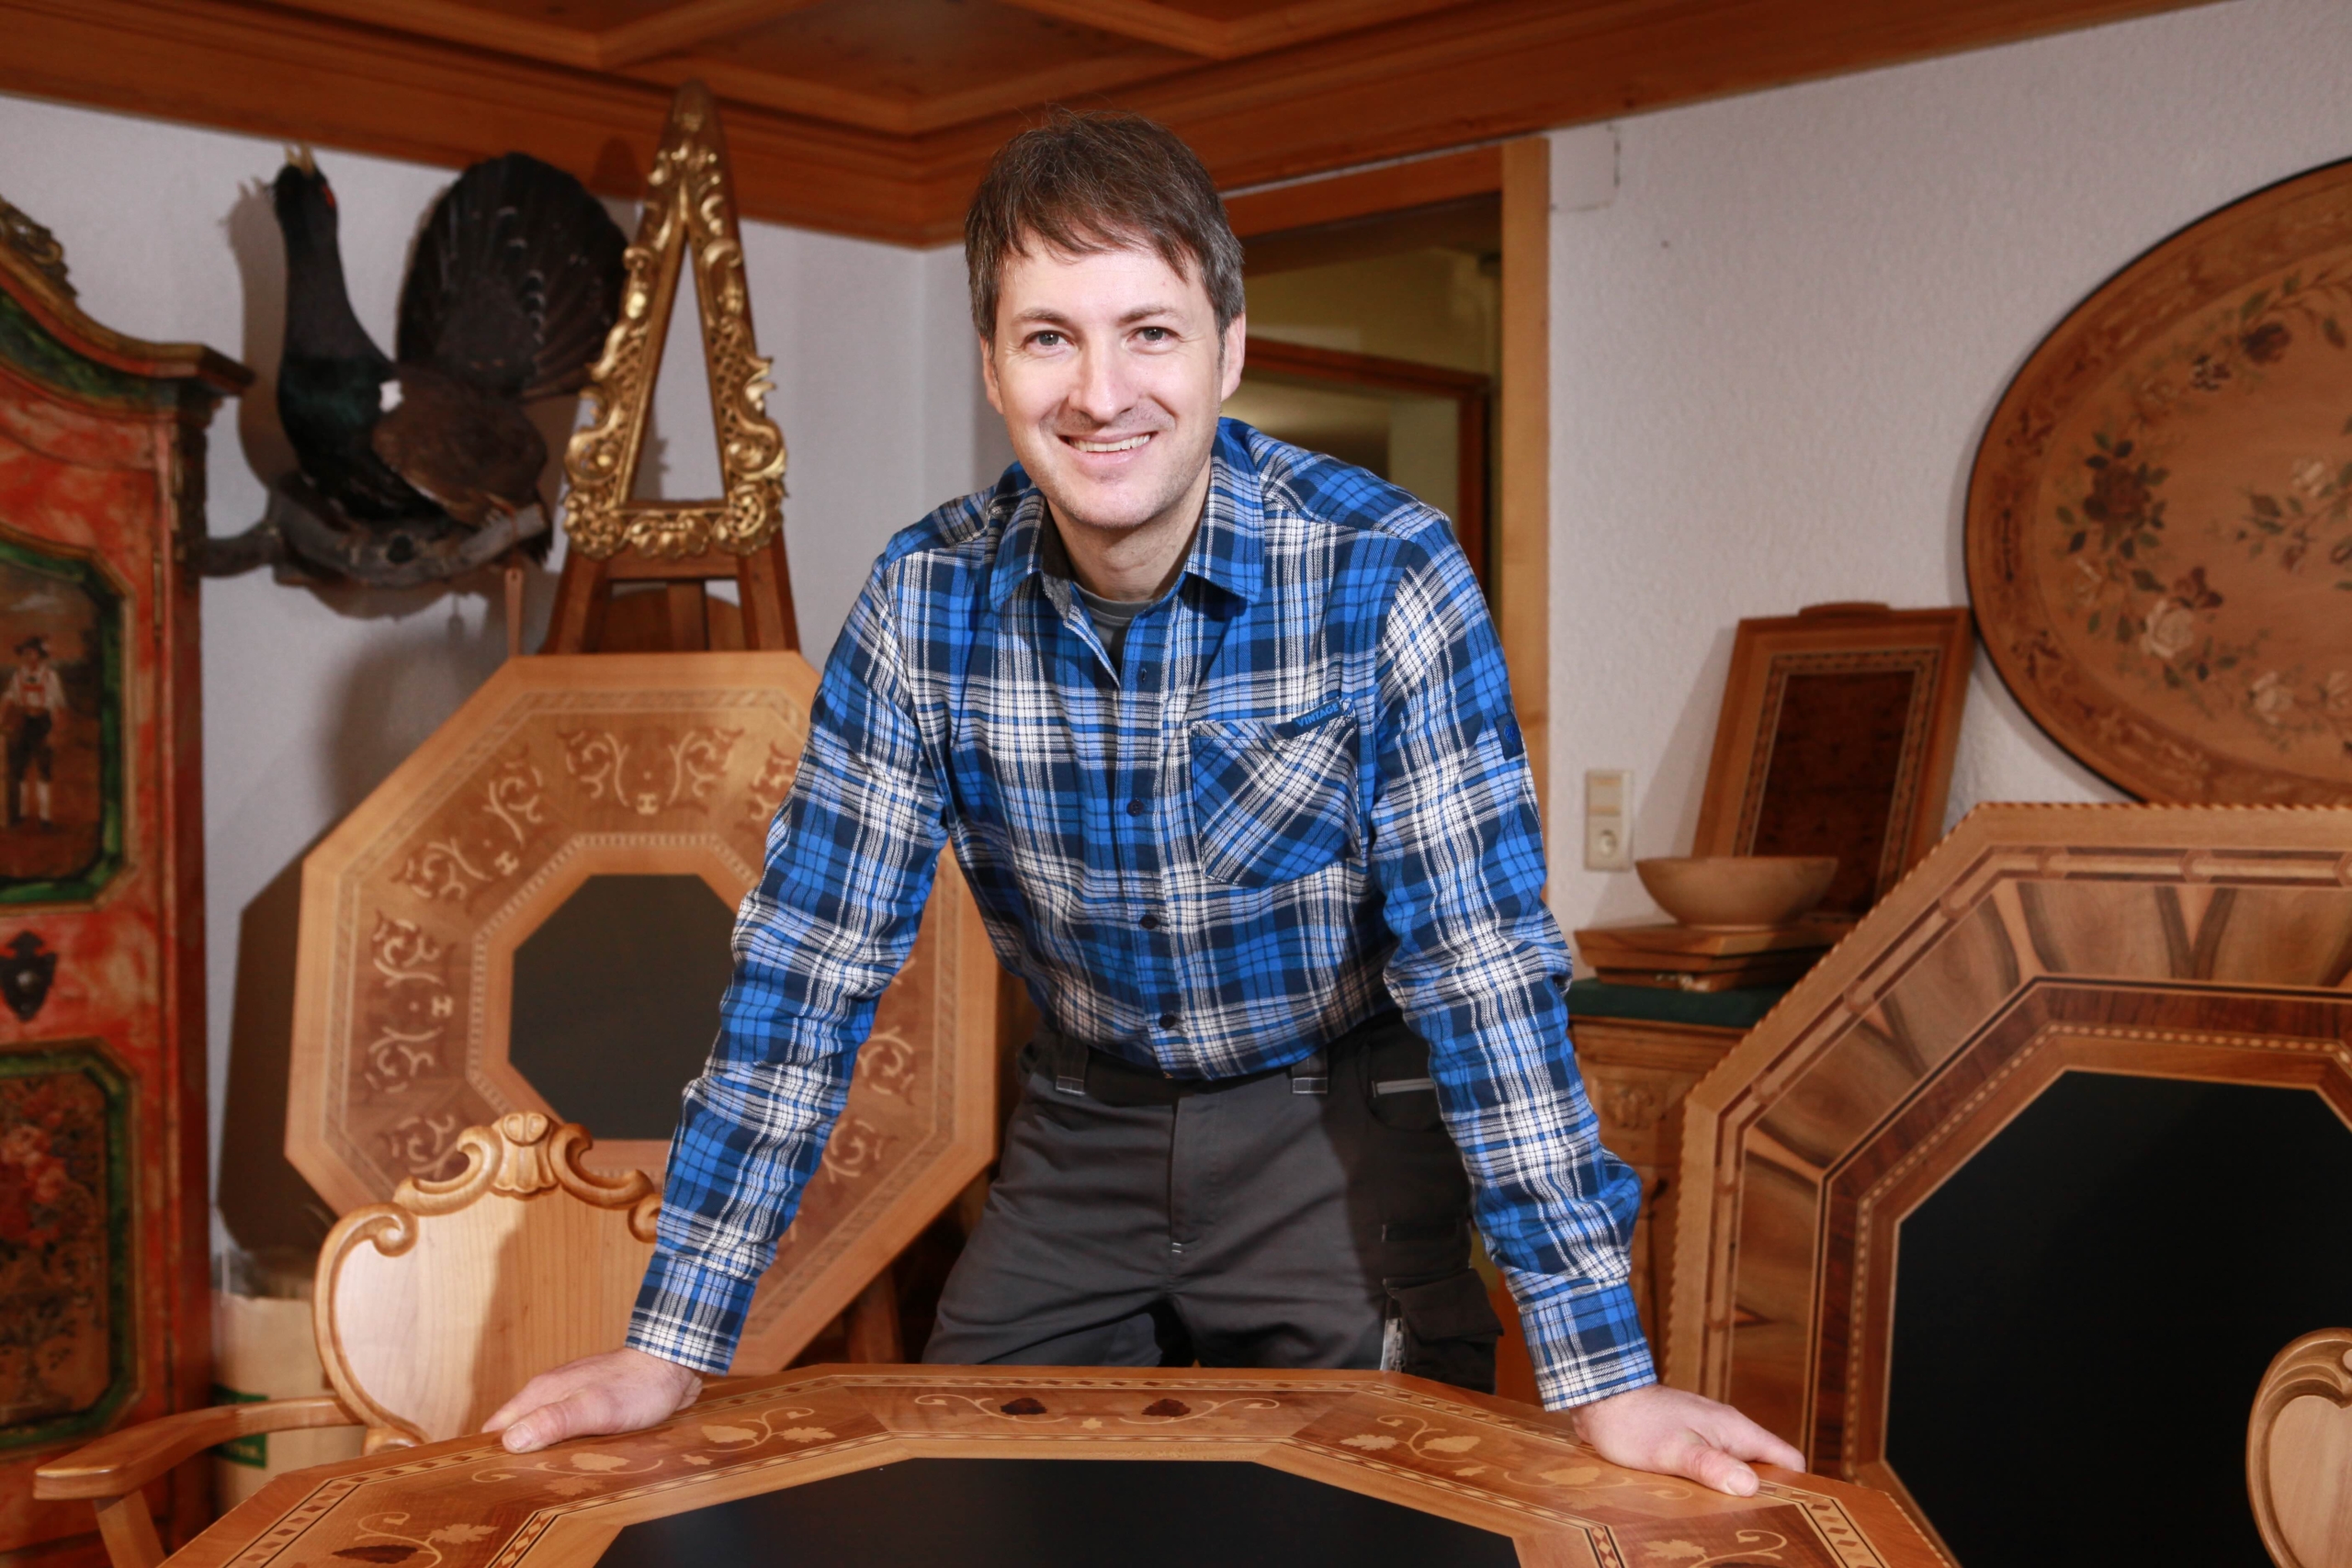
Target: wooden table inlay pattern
[[1486, 1462]]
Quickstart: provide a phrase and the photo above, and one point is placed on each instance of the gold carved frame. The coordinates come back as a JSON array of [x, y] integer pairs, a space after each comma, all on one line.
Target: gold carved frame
[[688, 206]]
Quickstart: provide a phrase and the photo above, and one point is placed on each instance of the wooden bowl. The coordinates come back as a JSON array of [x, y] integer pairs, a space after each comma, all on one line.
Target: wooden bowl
[[1737, 892]]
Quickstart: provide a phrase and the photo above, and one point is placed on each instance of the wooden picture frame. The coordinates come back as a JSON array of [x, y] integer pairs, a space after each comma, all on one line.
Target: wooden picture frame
[[1836, 736], [2202, 944]]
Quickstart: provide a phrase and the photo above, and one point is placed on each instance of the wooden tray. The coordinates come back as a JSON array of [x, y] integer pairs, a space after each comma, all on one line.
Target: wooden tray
[[1742, 974], [2160, 522], [1677, 946]]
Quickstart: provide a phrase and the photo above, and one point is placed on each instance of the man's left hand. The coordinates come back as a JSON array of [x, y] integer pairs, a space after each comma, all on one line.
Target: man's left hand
[[1673, 1433]]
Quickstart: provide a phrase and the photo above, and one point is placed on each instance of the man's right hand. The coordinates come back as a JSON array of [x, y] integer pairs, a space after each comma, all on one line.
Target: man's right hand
[[620, 1391]]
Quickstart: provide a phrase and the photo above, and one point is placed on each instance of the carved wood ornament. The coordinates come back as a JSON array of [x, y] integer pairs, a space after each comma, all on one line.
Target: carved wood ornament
[[384, 1302], [2299, 1452], [688, 207]]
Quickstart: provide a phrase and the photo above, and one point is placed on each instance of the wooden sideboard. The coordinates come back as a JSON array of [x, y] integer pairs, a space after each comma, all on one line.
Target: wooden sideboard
[[1641, 1051]]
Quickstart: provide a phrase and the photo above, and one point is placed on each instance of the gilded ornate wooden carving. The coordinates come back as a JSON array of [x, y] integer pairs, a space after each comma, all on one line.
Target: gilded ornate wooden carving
[[560, 769], [2299, 1452], [1483, 1462], [2205, 943], [2160, 520], [689, 206], [102, 1237]]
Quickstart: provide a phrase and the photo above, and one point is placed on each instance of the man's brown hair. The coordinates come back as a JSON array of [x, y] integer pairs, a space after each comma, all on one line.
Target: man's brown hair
[[1084, 183]]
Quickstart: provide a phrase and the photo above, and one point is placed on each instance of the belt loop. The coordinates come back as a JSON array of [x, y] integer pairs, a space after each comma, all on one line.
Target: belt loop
[[1311, 1074], [1069, 1064]]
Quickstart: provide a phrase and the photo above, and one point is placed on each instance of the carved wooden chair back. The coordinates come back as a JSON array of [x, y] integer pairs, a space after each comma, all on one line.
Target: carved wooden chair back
[[2299, 1453], [434, 1307]]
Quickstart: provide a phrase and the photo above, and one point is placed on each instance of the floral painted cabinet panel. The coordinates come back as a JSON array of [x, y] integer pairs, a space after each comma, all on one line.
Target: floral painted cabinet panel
[[103, 1311]]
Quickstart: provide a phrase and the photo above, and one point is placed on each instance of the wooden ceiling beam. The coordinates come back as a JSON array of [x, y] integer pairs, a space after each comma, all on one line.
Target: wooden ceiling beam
[[454, 21], [683, 27], [1502, 69], [291, 77], [1220, 40], [1392, 188], [1476, 73], [893, 114]]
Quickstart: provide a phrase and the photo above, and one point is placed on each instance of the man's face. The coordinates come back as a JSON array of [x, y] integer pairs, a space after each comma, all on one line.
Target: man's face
[[1107, 369]]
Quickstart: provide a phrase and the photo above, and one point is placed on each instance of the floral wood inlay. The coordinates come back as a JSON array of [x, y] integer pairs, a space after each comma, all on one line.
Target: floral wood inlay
[[650, 771], [412, 1006], [2160, 524]]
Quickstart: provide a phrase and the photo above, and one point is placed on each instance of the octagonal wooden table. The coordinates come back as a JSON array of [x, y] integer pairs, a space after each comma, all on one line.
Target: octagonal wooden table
[[1495, 1466]]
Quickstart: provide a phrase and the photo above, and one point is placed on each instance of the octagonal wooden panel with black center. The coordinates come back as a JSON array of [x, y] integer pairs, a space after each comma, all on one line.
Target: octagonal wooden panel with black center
[[829, 1467], [1973, 1015], [531, 914]]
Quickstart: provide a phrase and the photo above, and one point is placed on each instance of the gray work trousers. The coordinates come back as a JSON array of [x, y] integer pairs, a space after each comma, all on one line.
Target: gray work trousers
[[1144, 1223]]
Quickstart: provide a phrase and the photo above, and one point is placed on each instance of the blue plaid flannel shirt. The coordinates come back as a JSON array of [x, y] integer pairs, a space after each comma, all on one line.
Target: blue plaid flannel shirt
[[1301, 795]]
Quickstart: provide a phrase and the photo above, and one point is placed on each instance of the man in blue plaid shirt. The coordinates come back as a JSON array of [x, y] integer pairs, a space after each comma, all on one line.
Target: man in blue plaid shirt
[[1221, 735]]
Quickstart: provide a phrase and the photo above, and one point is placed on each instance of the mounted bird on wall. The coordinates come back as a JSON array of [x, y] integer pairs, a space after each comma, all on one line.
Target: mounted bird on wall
[[424, 465]]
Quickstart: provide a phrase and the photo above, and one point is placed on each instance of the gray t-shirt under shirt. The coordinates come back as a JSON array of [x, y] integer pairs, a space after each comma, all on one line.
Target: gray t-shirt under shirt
[[1111, 618]]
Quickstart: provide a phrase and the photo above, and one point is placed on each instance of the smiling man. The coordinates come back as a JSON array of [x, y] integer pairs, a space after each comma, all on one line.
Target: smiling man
[[1221, 735]]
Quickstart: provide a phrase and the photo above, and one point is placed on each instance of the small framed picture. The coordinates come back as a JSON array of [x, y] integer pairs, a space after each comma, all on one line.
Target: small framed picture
[[1837, 737]]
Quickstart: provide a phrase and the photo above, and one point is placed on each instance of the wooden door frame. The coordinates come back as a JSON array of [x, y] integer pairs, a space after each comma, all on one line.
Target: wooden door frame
[[1520, 172]]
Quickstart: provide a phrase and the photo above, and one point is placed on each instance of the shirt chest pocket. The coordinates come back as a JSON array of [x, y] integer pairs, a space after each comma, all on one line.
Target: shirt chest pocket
[[1273, 799]]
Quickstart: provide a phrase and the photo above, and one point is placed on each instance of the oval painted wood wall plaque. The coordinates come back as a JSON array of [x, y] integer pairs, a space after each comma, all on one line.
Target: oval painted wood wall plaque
[[2160, 520]]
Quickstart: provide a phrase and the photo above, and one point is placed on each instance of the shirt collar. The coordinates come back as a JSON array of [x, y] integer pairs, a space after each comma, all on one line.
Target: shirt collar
[[1229, 549]]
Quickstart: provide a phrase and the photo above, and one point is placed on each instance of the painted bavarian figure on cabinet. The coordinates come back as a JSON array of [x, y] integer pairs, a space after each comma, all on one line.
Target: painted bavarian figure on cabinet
[[58, 725], [1220, 733]]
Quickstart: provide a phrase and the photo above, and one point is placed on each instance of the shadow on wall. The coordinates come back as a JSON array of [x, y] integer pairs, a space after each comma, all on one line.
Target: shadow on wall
[[254, 240], [267, 1205], [394, 696]]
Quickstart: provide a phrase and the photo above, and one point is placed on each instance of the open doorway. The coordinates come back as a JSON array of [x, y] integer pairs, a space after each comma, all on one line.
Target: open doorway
[[1377, 339]]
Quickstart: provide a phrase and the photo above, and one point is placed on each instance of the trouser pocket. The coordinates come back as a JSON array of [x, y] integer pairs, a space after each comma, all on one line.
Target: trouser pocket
[[1443, 1329]]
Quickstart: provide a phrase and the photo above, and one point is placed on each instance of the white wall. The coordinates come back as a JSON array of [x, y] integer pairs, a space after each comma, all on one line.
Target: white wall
[[1775, 350], [311, 697]]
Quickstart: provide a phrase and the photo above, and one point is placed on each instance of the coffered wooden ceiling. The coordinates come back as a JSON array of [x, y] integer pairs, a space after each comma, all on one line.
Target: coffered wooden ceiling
[[875, 117]]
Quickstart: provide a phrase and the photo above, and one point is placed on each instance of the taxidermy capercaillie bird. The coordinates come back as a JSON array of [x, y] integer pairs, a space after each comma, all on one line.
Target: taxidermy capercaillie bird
[[514, 285]]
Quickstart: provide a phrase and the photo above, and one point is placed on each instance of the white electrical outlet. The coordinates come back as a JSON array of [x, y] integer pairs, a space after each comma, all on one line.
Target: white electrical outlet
[[1608, 819]]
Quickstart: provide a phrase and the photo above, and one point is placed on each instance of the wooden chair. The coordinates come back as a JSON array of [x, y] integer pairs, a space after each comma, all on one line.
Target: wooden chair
[[2299, 1453], [430, 1311]]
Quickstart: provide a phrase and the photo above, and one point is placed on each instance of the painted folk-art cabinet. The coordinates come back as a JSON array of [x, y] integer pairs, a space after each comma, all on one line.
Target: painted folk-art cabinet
[[103, 1236]]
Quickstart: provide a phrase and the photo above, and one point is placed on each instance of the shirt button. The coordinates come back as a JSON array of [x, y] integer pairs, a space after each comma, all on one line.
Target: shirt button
[[1136, 808], [1149, 922], [1167, 1021]]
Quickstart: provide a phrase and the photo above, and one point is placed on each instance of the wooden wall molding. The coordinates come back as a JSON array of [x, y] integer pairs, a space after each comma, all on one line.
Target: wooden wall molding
[[443, 82], [1523, 536]]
